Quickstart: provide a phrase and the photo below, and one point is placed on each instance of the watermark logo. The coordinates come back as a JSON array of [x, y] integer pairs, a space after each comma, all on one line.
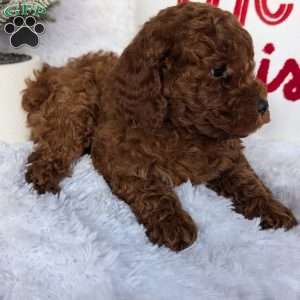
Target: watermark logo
[[21, 21], [24, 31], [24, 8]]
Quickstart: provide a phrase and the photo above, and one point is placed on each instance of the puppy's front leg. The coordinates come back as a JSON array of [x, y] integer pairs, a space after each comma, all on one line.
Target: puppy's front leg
[[49, 164], [251, 197], [157, 207]]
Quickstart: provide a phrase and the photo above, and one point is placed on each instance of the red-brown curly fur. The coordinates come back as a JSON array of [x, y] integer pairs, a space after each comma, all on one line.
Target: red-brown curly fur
[[157, 117]]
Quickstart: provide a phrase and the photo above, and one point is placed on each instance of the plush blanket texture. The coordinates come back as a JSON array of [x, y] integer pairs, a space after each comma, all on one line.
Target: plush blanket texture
[[86, 244]]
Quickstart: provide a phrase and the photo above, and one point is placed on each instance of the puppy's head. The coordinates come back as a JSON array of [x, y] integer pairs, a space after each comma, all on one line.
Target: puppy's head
[[192, 68]]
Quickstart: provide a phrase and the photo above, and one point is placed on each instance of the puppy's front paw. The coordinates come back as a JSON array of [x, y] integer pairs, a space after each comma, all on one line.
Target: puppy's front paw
[[43, 176], [176, 231], [276, 215]]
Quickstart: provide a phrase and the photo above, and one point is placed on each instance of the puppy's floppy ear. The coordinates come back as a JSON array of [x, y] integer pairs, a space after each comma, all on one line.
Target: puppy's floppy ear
[[138, 78]]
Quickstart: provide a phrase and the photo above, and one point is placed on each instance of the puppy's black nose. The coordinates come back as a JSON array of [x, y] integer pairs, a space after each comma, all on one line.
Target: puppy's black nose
[[262, 106]]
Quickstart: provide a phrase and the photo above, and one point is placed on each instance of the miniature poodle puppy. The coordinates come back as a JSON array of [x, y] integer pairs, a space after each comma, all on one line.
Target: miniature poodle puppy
[[171, 108]]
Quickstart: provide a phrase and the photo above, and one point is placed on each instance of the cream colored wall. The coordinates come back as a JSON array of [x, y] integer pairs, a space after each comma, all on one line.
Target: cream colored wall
[[148, 8]]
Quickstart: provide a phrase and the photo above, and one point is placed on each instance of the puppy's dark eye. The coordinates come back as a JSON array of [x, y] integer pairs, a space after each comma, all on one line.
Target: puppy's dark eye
[[219, 71]]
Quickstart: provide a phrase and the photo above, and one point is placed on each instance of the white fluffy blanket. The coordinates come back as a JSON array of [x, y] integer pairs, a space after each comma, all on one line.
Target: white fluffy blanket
[[86, 244]]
